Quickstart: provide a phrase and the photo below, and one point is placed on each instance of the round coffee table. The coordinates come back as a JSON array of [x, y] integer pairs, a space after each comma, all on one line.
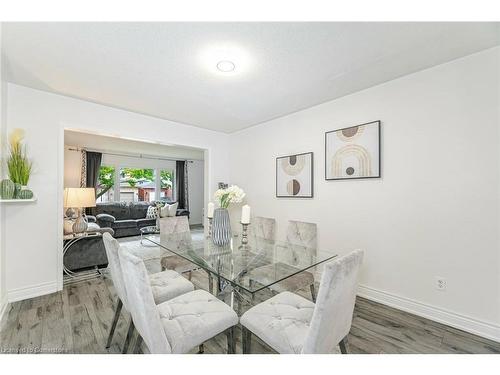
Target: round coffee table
[[152, 229]]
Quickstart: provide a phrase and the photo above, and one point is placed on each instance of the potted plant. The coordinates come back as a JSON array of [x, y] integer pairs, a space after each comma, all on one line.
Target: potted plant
[[18, 164], [221, 230]]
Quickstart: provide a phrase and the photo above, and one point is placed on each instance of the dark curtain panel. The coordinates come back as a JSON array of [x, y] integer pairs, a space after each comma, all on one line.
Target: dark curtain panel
[[181, 184], [93, 166]]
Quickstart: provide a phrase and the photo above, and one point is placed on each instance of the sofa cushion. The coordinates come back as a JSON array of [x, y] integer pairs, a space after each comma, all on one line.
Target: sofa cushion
[[120, 224], [138, 210], [105, 217], [120, 210]]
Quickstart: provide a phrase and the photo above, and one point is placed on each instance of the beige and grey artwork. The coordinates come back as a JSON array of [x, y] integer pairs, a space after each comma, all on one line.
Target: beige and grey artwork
[[353, 152], [294, 176]]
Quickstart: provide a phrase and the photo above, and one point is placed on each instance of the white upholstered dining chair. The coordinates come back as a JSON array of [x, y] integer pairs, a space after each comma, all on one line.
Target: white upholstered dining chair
[[301, 239], [164, 285], [178, 325], [291, 324], [263, 228], [168, 226]]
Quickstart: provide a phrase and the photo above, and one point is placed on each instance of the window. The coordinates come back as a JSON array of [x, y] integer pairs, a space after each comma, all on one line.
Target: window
[[105, 191], [137, 185], [166, 185]]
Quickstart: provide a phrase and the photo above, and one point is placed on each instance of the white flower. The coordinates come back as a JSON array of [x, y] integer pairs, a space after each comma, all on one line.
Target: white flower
[[233, 194]]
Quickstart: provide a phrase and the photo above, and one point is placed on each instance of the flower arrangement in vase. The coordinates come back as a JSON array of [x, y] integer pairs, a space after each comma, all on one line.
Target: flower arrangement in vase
[[221, 231]]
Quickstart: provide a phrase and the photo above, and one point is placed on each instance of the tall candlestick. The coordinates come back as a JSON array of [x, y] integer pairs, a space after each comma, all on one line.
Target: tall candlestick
[[210, 210], [245, 214], [244, 237], [210, 227]]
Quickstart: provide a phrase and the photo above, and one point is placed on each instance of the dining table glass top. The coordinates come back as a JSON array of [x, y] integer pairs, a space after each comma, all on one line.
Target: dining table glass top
[[252, 267]]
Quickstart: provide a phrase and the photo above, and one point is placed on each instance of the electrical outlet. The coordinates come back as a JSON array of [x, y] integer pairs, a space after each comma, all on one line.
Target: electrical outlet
[[440, 283]]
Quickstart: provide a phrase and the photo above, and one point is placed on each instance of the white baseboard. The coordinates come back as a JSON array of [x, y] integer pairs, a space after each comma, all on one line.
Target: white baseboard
[[32, 291], [465, 323]]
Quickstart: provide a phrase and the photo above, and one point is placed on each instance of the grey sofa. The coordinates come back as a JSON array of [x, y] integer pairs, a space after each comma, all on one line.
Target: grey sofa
[[126, 218]]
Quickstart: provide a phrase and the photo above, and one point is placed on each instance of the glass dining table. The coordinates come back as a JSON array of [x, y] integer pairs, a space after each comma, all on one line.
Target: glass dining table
[[234, 270]]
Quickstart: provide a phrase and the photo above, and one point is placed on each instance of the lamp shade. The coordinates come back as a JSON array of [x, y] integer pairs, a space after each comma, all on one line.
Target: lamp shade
[[79, 197]]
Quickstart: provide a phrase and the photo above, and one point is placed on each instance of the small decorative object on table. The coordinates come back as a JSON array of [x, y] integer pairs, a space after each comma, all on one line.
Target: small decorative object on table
[[210, 216], [245, 221], [221, 232]]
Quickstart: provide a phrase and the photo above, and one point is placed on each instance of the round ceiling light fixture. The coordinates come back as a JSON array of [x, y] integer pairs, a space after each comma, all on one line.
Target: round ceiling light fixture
[[226, 66], [225, 59]]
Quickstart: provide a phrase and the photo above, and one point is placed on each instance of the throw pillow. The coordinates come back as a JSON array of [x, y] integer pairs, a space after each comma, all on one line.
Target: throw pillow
[[152, 212], [164, 211], [172, 209]]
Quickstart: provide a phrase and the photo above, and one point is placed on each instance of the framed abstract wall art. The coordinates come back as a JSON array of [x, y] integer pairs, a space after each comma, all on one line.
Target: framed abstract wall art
[[353, 153], [294, 176]]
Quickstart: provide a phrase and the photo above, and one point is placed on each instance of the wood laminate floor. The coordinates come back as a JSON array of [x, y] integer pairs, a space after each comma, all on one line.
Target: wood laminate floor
[[77, 320]]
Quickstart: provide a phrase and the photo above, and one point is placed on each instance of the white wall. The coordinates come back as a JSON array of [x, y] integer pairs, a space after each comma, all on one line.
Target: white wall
[[3, 127], [434, 212], [195, 191], [34, 259]]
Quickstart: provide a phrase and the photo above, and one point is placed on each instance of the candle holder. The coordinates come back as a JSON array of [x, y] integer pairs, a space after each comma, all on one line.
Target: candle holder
[[210, 219], [244, 236]]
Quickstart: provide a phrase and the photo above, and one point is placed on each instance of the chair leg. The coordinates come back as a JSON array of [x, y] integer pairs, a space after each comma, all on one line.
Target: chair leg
[[118, 310], [313, 293], [138, 343], [343, 345], [231, 344], [246, 340], [190, 274], [130, 332]]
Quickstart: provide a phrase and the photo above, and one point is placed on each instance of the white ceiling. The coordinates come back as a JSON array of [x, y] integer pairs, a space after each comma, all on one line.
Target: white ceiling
[[159, 68]]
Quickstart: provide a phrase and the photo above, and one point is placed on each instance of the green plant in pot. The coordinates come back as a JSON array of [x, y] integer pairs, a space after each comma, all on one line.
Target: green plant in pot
[[18, 164]]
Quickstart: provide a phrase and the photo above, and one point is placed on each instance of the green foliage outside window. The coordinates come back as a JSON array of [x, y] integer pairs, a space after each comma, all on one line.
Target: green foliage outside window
[[106, 180], [134, 175], [166, 179]]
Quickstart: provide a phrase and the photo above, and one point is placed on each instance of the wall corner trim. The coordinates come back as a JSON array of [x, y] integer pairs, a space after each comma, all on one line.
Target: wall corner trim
[[481, 328], [3, 308], [32, 291]]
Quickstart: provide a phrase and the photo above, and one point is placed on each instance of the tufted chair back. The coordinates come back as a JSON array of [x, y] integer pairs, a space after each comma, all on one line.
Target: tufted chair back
[[142, 306], [332, 316], [301, 237], [263, 227], [112, 247]]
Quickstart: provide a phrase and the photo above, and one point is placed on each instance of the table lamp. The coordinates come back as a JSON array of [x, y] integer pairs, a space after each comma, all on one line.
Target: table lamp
[[79, 198]]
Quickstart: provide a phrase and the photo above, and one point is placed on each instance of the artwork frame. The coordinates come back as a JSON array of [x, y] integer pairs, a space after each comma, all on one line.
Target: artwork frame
[[377, 164], [308, 181]]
